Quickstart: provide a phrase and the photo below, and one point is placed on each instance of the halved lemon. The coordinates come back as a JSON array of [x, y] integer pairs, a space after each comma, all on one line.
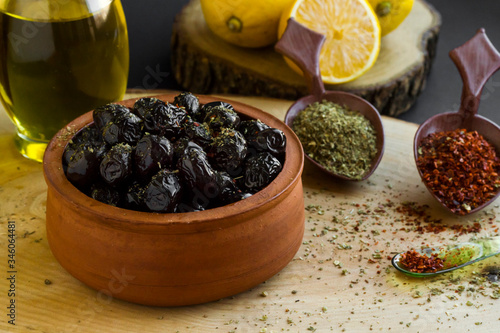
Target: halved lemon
[[352, 35]]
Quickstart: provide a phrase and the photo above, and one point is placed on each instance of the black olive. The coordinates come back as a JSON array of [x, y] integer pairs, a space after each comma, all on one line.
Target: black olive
[[146, 108], [251, 127], [228, 190], [134, 197], [219, 117], [105, 194], [271, 140], [189, 102], [193, 201], [88, 136], [162, 118], [83, 165], [171, 121], [197, 173], [107, 113], [163, 193], [151, 154], [199, 133], [182, 144], [179, 147], [228, 150], [116, 165], [260, 170], [126, 128], [206, 107]]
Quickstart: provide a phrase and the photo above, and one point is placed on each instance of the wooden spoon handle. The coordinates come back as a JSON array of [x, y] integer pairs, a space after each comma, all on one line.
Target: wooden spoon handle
[[303, 45], [476, 61]]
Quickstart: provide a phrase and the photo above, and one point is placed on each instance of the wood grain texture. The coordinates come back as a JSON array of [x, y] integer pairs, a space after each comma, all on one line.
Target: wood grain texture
[[311, 293], [204, 63]]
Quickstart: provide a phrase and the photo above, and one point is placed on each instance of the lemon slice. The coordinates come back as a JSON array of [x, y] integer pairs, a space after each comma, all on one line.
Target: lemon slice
[[391, 13], [352, 35]]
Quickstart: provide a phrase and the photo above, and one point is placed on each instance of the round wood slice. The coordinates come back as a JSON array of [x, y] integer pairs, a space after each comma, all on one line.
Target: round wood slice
[[204, 63]]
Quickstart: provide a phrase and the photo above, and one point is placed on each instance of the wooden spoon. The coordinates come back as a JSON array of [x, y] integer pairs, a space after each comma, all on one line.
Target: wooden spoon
[[303, 46], [476, 61]]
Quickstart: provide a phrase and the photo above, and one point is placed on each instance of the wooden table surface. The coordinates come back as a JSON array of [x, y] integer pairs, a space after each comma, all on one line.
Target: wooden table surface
[[340, 280]]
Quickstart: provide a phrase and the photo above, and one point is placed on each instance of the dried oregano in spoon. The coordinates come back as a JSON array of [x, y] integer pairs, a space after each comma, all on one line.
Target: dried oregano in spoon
[[341, 140]]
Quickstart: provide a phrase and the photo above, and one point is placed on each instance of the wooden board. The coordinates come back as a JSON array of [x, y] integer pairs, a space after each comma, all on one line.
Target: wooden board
[[204, 63], [334, 283]]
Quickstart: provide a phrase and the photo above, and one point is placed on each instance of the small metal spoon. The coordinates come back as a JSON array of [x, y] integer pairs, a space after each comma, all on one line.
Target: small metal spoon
[[455, 256], [303, 46], [476, 61]]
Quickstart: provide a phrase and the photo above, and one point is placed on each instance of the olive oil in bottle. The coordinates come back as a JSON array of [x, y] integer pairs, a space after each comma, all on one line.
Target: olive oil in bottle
[[58, 60]]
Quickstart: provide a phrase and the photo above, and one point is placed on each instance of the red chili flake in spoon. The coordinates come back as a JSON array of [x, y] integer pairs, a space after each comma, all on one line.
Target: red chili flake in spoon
[[461, 169], [417, 262]]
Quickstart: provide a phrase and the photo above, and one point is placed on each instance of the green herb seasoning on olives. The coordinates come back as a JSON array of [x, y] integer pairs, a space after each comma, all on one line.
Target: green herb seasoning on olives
[[173, 157], [343, 141]]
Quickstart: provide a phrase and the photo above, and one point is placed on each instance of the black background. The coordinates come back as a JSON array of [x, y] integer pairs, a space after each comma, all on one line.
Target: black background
[[150, 26]]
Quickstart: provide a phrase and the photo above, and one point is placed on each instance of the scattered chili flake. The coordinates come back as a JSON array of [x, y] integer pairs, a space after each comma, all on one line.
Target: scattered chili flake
[[416, 218], [460, 168], [417, 262]]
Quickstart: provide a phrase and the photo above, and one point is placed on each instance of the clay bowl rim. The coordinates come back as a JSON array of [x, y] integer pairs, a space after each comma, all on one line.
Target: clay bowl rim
[[427, 128], [353, 100], [121, 218]]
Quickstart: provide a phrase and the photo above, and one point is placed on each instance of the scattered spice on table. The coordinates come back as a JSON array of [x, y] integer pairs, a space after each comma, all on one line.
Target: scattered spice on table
[[460, 168], [417, 262], [341, 140]]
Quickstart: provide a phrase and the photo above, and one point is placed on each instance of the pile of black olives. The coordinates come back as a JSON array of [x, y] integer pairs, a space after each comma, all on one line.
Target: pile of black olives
[[173, 157]]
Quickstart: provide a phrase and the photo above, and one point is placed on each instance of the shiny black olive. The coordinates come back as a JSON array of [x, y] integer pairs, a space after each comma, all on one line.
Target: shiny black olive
[[107, 113], [151, 154], [116, 165], [228, 150], [126, 128], [260, 170], [171, 120], [197, 173], [219, 117], [83, 165], [228, 190], [199, 133], [105, 194], [271, 140], [193, 201], [251, 127], [163, 118], [163, 193], [146, 108], [133, 197], [206, 107], [179, 147], [189, 102], [88, 135]]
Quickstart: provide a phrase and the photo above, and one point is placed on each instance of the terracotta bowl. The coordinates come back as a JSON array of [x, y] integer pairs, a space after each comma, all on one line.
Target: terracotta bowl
[[182, 258]]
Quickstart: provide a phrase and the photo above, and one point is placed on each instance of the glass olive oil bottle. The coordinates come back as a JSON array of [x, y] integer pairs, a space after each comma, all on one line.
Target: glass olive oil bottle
[[58, 60]]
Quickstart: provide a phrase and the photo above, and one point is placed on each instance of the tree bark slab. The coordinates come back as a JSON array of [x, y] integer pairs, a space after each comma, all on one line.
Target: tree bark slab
[[205, 64]]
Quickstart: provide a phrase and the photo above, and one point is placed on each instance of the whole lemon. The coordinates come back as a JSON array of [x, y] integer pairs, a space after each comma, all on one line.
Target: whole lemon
[[391, 13], [247, 23]]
